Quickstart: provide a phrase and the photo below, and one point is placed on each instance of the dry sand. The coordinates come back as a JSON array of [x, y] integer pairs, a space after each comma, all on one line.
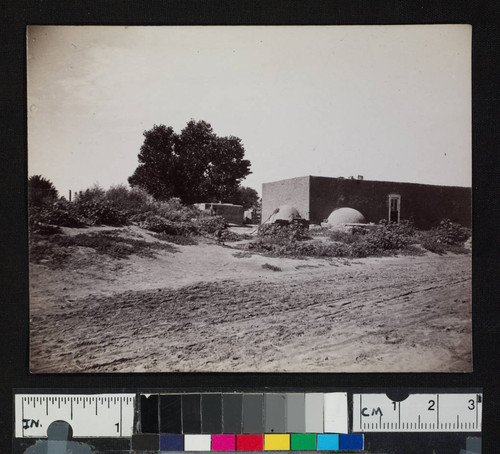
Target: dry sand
[[212, 308]]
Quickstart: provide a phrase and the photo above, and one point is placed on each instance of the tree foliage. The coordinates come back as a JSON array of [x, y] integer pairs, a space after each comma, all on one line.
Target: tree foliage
[[41, 191], [247, 197], [195, 165]]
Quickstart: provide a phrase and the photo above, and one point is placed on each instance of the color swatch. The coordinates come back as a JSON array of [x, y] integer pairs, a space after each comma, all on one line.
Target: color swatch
[[276, 442], [226, 422]]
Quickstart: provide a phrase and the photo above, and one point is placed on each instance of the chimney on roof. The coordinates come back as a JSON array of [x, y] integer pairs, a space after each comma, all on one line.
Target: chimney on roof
[[351, 178], [360, 177]]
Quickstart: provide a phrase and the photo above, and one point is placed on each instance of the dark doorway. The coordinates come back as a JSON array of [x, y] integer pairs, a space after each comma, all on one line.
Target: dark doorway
[[394, 207]]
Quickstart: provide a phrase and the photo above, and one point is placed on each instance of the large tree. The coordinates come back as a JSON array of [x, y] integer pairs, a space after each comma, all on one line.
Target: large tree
[[245, 196], [195, 165]]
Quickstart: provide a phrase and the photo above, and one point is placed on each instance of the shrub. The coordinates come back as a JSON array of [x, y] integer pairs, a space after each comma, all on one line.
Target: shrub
[[300, 249], [210, 224], [433, 246], [129, 201], [293, 231], [97, 212], [43, 250], [45, 229], [289, 240], [60, 213], [76, 214], [348, 237], [390, 236], [445, 238], [451, 233], [93, 194], [174, 210], [159, 224], [176, 239], [58, 248]]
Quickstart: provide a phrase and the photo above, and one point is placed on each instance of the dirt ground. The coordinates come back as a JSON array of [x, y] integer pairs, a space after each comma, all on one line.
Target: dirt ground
[[213, 308]]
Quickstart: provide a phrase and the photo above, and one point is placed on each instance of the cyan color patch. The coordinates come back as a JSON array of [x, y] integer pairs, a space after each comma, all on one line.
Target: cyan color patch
[[353, 442], [328, 442]]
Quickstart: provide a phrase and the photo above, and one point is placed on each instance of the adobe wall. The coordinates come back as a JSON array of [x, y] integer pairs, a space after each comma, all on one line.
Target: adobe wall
[[233, 214], [294, 192], [426, 204]]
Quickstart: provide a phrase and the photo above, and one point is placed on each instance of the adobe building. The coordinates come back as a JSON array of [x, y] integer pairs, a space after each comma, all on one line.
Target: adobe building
[[232, 214], [316, 197]]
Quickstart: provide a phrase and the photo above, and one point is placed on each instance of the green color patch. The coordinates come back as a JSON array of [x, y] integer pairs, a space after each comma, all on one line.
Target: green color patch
[[303, 442]]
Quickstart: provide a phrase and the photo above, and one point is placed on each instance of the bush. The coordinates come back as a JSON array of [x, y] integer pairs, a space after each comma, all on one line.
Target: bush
[[45, 229], [129, 201], [43, 250], [93, 194], [451, 233], [60, 213], [58, 248], [159, 224], [176, 239], [388, 236], [97, 212], [289, 240], [299, 249], [433, 246], [447, 237], [76, 214], [174, 210], [210, 224], [293, 231], [348, 237]]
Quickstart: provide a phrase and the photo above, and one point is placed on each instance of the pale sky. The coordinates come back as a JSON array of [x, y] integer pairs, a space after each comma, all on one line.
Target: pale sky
[[391, 103]]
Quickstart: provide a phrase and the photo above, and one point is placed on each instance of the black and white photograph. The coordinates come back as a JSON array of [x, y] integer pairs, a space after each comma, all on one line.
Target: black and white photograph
[[250, 198]]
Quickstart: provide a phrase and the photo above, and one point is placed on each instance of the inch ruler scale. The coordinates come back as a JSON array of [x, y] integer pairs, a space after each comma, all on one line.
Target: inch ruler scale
[[99, 415], [347, 421]]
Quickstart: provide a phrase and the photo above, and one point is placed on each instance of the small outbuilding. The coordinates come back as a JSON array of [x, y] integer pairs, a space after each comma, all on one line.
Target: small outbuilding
[[233, 214]]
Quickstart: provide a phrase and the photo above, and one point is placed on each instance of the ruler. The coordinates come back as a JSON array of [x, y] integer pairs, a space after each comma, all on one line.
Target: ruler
[[123, 416], [89, 415], [442, 412]]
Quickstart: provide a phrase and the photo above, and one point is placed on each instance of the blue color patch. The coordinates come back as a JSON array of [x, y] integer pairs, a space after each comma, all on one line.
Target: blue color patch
[[328, 442], [351, 442], [172, 442]]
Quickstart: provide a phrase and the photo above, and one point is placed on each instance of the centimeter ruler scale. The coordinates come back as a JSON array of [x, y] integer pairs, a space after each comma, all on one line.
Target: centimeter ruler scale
[[442, 412]]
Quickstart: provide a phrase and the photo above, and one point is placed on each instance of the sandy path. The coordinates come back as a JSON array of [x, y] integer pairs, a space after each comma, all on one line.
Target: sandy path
[[202, 309]]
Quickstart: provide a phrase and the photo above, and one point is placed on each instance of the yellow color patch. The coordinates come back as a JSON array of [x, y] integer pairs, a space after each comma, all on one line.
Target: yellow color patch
[[276, 442]]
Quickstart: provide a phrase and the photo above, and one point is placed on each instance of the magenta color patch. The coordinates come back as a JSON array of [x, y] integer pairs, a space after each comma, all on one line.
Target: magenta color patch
[[223, 442]]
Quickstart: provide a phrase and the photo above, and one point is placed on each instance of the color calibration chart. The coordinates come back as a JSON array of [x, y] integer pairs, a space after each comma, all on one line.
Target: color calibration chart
[[243, 422]]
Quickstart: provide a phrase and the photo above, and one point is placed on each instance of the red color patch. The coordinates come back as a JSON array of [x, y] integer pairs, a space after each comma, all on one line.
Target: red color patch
[[249, 442]]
